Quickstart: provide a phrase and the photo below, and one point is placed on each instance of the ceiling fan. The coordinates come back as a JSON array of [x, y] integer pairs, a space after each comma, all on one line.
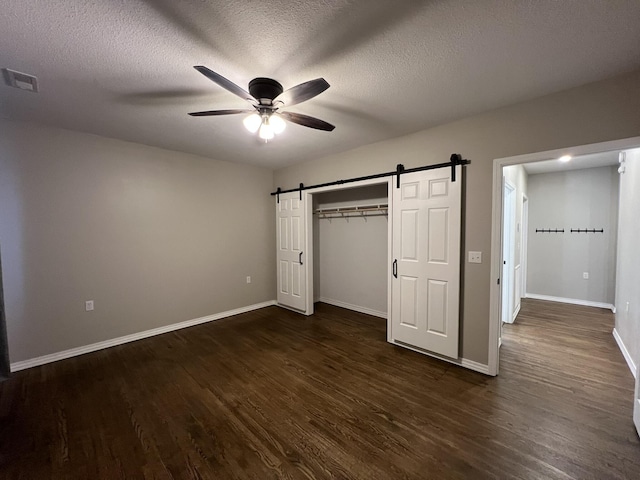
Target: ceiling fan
[[268, 97]]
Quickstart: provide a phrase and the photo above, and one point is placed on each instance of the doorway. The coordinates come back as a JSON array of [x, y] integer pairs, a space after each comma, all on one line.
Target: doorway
[[500, 209]]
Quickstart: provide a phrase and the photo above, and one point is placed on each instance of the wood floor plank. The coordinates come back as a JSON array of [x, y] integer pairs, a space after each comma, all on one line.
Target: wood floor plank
[[275, 395]]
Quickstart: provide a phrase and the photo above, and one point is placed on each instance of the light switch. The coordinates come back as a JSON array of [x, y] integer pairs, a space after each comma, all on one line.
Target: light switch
[[475, 257]]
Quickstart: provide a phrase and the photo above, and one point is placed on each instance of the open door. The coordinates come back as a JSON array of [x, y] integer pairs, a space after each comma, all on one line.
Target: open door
[[507, 279], [292, 217], [425, 289]]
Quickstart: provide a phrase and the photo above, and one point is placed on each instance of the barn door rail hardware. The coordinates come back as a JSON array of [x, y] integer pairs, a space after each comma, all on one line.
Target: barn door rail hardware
[[587, 230], [363, 211], [549, 230], [455, 160]]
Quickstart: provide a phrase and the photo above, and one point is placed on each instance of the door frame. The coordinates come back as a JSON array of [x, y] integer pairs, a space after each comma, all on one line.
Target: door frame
[[495, 311], [524, 245], [309, 237]]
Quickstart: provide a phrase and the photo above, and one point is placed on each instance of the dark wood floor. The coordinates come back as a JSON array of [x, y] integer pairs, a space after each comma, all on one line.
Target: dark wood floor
[[271, 394]]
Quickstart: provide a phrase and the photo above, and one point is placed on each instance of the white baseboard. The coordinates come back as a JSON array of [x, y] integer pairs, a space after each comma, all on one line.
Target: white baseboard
[[471, 365], [73, 352], [355, 308], [625, 353], [573, 301], [461, 362]]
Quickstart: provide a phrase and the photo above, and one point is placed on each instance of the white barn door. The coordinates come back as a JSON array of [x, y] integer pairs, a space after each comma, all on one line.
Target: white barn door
[[291, 217], [425, 278]]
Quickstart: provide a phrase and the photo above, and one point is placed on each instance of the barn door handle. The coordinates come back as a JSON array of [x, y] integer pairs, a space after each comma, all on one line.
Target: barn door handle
[[300, 258], [395, 268]]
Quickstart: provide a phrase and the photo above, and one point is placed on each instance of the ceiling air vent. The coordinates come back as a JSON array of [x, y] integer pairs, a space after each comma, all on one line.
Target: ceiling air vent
[[20, 80]]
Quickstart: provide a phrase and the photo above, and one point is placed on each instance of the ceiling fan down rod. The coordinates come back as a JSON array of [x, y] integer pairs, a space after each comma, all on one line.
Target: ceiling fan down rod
[[455, 160]]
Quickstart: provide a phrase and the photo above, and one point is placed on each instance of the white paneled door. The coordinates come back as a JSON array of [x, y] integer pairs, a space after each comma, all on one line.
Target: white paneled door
[[291, 257], [425, 288]]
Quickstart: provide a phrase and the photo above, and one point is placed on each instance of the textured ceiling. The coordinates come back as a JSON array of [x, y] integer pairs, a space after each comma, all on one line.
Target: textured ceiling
[[123, 69]]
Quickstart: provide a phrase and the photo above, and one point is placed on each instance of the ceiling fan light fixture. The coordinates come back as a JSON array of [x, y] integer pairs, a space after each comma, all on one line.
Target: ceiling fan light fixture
[[266, 131], [252, 122], [277, 123]]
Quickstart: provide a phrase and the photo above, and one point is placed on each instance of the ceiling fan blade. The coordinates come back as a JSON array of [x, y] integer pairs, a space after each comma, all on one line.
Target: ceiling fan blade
[[307, 121], [211, 113], [224, 83], [303, 92]]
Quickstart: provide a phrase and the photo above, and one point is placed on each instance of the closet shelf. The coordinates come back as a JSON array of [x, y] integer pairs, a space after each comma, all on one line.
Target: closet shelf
[[354, 211]]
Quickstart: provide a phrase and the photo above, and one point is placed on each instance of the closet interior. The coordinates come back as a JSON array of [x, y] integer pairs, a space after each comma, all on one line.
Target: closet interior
[[350, 229]]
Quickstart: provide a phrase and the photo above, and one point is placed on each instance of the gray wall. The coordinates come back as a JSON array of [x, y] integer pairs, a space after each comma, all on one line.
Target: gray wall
[[596, 112], [585, 198], [350, 263], [154, 237], [628, 270]]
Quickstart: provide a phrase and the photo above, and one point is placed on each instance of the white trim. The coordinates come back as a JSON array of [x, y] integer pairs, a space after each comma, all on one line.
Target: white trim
[[524, 243], [625, 353], [496, 224], [573, 301], [516, 312], [74, 352], [461, 362], [475, 366], [355, 308], [389, 258], [308, 245]]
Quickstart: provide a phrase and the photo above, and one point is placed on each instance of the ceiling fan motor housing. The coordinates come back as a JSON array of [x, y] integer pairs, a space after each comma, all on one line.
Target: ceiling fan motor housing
[[264, 88]]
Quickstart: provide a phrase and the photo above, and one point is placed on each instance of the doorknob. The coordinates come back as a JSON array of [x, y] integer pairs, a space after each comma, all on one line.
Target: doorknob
[[395, 268], [300, 258]]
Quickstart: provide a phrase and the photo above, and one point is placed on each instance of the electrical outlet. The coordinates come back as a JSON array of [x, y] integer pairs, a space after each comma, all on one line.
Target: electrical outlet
[[88, 305], [475, 257], [248, 279], [585, 275]]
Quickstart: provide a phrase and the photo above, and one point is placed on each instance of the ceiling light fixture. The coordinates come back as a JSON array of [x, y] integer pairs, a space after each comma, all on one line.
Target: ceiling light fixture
[[252, 122], [268, 125], [23, 81], [564, 158]]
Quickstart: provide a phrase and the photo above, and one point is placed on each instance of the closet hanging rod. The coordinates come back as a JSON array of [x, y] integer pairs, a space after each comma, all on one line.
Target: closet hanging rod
[[351, 215], [354, 209], [456, 159]]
